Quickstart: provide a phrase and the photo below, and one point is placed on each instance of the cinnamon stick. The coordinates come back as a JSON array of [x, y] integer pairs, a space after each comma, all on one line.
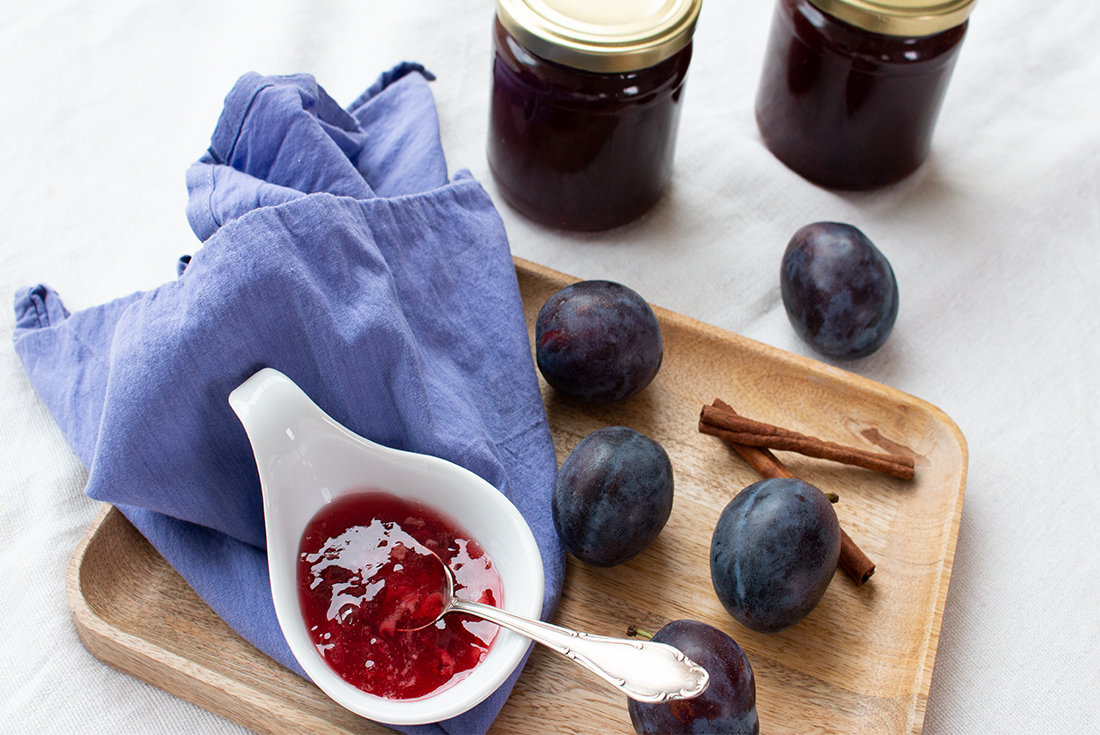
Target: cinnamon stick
[[728, 425], [853, 561]]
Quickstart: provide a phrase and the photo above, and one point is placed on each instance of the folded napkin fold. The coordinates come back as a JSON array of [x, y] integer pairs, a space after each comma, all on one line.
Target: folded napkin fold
[[336, 250]]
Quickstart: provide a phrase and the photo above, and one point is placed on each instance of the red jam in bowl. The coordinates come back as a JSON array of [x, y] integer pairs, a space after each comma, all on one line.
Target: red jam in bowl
[[365, 568]]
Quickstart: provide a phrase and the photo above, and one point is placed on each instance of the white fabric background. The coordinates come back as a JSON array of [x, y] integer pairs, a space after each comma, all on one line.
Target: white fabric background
[[995, 242]]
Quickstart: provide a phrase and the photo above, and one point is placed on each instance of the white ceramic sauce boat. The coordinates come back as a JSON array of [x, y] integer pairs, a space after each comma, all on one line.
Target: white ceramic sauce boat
[[305, 460]]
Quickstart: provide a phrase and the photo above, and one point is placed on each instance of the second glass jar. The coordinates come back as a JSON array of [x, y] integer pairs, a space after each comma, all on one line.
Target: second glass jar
[[582, 141], [851, 89]]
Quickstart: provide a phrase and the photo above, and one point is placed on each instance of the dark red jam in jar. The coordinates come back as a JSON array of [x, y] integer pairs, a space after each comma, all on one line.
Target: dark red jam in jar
[[585, 106], [366, 565], [851, 89]]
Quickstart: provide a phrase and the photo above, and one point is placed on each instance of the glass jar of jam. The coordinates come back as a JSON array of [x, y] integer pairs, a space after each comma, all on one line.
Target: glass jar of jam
[[585, 106], [851, 89]]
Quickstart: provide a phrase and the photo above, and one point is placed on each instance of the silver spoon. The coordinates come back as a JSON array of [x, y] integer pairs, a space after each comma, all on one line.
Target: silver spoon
[[643, 670]]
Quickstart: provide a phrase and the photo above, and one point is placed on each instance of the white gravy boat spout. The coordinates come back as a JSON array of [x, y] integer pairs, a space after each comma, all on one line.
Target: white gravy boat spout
[[305, 460]]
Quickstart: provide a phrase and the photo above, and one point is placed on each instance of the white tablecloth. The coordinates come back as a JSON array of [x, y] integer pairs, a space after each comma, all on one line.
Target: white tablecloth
[[995, 242]]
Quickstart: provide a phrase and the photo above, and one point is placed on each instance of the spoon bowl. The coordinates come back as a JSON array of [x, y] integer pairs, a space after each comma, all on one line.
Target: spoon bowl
[[305, 460]]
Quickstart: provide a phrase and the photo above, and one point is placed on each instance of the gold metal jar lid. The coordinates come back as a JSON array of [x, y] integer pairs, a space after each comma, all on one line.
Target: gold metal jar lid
[[601, 35], [899, 17]]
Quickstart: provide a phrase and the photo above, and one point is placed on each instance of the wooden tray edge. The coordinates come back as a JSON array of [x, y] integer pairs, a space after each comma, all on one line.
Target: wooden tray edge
[[181, 677]]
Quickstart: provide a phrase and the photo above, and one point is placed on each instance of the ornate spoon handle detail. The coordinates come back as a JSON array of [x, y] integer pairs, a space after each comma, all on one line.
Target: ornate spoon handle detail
[[643, 670]]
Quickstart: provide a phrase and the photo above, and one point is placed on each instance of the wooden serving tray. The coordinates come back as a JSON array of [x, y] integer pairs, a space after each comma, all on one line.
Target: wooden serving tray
[[860, 663]]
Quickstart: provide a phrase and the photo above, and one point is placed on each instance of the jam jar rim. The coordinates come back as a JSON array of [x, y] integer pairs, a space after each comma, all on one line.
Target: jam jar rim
[[599, 48], [907, 18]]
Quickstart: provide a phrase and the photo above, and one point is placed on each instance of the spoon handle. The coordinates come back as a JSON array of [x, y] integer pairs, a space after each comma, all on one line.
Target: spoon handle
[[644, 670]]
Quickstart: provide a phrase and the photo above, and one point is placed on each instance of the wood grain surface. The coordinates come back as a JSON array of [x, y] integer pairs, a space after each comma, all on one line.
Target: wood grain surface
[[860, 663]]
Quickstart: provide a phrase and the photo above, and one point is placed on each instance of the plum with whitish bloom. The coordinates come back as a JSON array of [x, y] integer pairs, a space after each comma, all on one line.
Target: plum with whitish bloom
[[598, 341], [839, 290], [773, 553], [612, 496]]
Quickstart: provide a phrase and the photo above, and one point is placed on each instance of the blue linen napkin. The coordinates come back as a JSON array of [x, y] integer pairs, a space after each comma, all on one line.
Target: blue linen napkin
[[336, 250]]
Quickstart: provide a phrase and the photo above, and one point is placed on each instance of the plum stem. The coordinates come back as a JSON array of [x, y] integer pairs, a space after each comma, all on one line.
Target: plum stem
[[634, 630]]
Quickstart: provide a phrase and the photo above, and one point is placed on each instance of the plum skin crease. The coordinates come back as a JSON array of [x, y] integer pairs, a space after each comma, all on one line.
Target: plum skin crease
[[839, 290], [598, 341], [612, 496], [773, 554], [727, 706]]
